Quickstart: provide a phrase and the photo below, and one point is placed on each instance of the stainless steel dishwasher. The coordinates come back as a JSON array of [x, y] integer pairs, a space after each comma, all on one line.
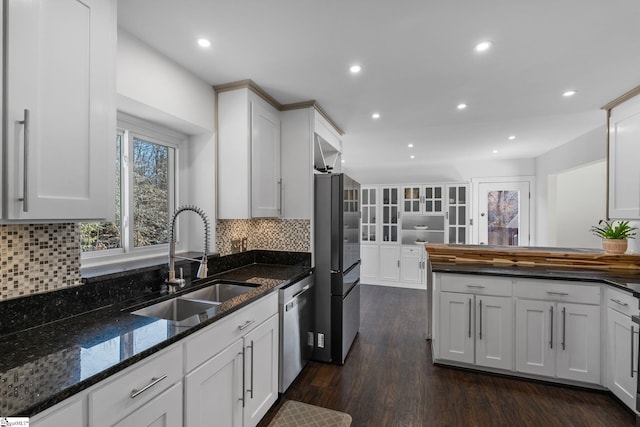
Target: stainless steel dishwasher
[[296, 308]]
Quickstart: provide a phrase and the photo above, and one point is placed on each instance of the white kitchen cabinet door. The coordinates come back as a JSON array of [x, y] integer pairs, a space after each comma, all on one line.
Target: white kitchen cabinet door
[[213, 392], [411, 262], [456, 327], [535, 346], [389, 267], [494, 331], [578, 342], [69, 413], [60, 109], [249, 179], [622, 377], [261, 370], [624, 151], [164, 410], [265, 161], [369, 263]]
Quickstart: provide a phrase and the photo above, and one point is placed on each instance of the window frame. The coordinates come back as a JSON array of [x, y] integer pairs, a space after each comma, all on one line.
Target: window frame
[[130, 127]]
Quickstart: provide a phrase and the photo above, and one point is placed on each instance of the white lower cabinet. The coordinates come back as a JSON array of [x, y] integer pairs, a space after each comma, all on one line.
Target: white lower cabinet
[[70, 413], [622, 346], [165, 410], [412, 264], [476, 329], [214, 391], [557, 338], [389, 263], [369, 263], [238, 383]]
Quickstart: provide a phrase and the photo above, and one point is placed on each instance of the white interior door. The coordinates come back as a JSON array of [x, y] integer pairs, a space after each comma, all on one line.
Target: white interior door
[[503, 213]]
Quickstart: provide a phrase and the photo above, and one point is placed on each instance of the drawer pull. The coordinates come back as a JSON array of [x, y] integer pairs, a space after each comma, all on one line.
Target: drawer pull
[[135, 393], [246, 324], [617, 301], [562, 294], [633, 370], [476, 286]]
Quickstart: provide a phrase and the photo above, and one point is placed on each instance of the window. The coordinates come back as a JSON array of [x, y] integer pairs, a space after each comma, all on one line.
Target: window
[[145, 165]]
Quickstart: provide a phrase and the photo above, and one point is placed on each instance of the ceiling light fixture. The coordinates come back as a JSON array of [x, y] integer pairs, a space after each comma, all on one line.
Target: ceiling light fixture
[[495, 151], [413, 157], [483, 46], [462, 106], [204, 43], [410, 145], [569, 93], [375, 116], [512, 137], [355, 69]]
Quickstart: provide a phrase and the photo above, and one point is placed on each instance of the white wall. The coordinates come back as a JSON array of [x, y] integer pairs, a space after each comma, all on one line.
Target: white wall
[[444, 172], [587, 149], [575, 204], [153, 87]]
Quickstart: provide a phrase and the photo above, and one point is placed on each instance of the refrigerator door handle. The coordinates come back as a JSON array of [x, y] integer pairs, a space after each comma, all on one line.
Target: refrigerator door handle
[[336, 272]]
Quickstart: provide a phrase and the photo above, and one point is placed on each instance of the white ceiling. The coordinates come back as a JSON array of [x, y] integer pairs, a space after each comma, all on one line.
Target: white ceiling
[[418, 64]]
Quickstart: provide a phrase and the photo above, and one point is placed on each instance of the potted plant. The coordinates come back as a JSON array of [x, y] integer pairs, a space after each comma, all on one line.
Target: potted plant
[[614, 236]]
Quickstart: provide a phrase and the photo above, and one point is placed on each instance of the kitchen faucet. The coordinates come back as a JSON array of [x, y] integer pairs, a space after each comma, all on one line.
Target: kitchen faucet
[[172, 281]]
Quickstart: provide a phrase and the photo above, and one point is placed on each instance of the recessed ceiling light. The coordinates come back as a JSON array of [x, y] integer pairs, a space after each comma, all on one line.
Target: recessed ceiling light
[[462, 106], [569, 93], [483, 46], [355, 69], [204, 43], [512, 137], [342, 161], [495, 151], [413, 157], [410, 145], [375, 116]]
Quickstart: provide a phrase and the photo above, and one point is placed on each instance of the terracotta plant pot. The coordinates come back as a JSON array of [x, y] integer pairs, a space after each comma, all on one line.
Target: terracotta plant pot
[[614, 246]]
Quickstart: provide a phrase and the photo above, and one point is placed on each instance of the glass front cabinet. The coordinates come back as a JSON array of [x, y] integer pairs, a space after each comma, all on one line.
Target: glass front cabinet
[[390, 214], [457, 215]]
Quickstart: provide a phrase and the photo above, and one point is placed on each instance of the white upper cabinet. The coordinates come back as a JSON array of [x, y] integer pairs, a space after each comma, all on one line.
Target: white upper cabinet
[[309, 143], [59, 84], [624, 151], [249, 183]]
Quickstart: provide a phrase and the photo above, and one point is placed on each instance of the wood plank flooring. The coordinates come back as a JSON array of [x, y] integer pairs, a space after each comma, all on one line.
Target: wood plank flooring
[[389, 380]]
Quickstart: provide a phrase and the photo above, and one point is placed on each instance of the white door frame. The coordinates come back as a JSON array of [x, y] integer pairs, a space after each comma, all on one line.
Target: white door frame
[[475, 183]]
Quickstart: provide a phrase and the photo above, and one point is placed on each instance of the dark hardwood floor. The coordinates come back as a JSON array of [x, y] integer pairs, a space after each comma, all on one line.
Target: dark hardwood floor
[[389, 380]]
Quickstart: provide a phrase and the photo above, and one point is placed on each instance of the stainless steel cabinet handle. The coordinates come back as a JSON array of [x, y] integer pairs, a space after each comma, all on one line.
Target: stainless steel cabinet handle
[[633, 370], [470, 317], [280, 209], [25, 177], [563, 294], [564, 327], [154, 381], [251, 375], [480, 319], [398, 263], [243, 375], [617, 301], [246, 324], [476, 286], [551, 328]]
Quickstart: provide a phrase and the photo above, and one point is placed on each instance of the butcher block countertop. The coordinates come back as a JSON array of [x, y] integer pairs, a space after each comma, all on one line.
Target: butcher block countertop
[[621, 271]]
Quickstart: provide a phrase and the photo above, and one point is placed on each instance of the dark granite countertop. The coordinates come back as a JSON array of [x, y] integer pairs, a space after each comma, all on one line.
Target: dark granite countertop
[[617, 278], [43, 365]]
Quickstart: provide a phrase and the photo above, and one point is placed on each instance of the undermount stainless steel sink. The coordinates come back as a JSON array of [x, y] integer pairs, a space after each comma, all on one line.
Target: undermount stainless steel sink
[[176, 309], [219, 292], [204, 300]]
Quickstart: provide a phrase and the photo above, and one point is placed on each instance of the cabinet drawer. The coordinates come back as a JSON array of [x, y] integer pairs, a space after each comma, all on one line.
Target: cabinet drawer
[[413, 250], [623, 302], [113, 400], [556, 290], [476, 284], [210, 341]]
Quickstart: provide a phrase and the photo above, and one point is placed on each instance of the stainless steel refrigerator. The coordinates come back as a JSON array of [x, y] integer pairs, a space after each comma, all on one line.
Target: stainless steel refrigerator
[[337, 262]]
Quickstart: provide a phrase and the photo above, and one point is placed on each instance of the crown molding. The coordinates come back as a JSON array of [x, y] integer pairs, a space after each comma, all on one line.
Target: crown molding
[[619, 100], [254, 87]]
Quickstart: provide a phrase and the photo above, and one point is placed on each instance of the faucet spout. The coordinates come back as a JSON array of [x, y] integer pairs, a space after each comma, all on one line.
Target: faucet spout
[[202, 270]]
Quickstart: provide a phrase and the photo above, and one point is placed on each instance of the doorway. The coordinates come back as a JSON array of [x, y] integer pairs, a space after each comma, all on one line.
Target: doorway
[[503, 211]]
